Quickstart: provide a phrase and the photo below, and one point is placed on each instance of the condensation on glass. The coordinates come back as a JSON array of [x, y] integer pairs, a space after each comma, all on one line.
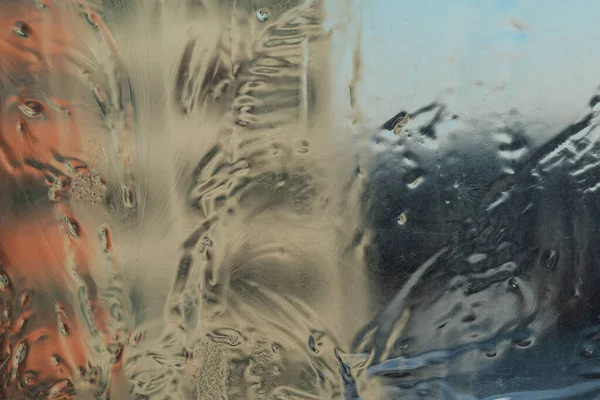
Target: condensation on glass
[[318, 199]]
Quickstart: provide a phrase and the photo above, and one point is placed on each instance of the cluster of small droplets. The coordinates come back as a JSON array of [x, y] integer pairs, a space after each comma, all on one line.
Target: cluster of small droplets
[[87, 188]]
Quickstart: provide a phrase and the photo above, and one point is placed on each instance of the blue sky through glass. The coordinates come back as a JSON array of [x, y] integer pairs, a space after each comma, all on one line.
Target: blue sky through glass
[[538, 56]]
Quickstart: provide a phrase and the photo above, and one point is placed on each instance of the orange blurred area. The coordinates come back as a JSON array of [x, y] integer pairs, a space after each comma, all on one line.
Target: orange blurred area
[[45, 253]]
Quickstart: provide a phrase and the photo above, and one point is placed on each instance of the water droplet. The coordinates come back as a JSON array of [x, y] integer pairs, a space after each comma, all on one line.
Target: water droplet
[[62, 327], [53, 195], [276, 348], [587, 349], [60, 183], [311, 344], [4, 280], [115, 312], [416, 182], [476, 258], [105, 239], [99, 180], [20, 354], [227, 336], [128, 197], [360, 172], [21, 127], [468, 318], [73, 227], [41, 5], [30, 378], [101, 97], [345, 369], [31, 109], [401, 123], [25, 299], [550, 259], [303, 149], [69, 168], [116, 350], [263, 14], [397, 122], [64, 387], [22, 29], [137, 338], [63, 110], [204, 244], [402, 219], [55, 359]]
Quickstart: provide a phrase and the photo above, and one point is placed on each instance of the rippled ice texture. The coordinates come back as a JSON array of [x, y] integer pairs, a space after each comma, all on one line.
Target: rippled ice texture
[[199, 201]]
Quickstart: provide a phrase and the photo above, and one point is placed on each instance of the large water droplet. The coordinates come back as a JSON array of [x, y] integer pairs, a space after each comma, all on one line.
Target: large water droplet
[[263, 14], [31, 108], [22, 29]]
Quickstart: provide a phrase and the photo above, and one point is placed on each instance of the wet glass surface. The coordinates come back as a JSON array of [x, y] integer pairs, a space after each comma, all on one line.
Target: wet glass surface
[[287, 199]]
